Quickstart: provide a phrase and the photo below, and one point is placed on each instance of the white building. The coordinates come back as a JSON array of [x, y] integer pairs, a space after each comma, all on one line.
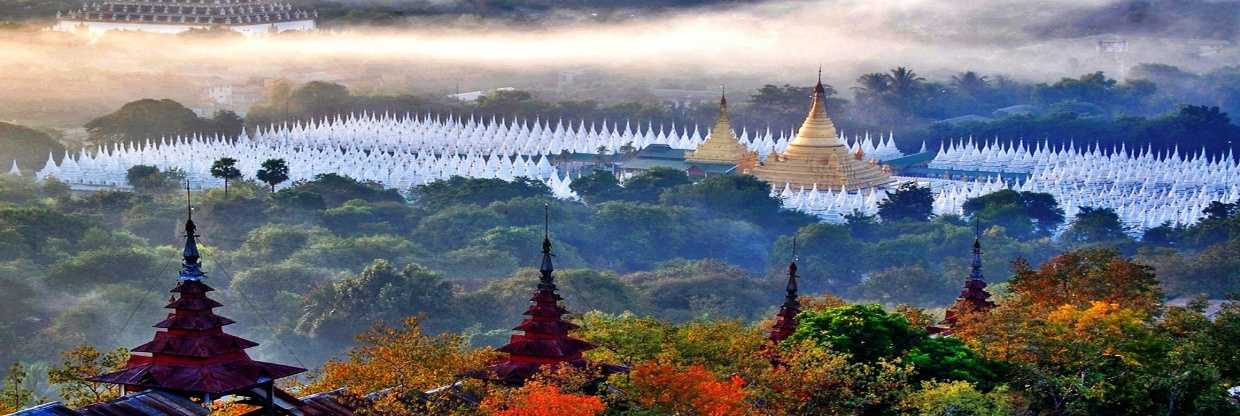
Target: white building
[[249, 17]]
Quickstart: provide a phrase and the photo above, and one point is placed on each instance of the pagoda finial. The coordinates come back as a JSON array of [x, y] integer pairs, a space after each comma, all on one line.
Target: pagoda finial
[[975, 272], [546, 268], [791, 297], [191, 269], [818, 88]]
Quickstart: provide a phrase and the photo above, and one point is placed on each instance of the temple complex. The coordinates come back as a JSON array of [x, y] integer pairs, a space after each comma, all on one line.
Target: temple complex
[[191, 355], [973, 298], [544, 339], [722, 146], [817, 158], [176, 16]]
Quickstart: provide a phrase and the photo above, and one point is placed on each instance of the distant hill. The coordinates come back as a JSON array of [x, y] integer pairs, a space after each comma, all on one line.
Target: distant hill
[[28, 146]]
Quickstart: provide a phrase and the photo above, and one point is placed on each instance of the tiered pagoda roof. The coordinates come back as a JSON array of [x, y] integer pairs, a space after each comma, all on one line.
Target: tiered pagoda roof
[[786, 318], [817, 157], [190, 12], [721, 145], [973, 298], [544, 338], [191, 354]]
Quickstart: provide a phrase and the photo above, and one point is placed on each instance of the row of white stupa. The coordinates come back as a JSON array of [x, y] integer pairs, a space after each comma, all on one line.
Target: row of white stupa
[[962, 155], [453, 135], [1144, 189]]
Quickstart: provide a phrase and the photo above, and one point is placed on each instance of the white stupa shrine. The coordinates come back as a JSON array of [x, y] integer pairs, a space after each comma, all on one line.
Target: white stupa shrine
[[176, 16], [1146, 188]]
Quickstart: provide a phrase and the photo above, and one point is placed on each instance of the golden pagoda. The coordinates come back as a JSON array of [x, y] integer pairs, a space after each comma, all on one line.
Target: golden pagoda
[[721, 146], [817, 157]]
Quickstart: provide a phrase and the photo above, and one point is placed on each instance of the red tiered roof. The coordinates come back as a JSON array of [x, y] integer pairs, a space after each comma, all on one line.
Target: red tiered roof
[[973, 298], [786, 318], [191, 354], [544, 338]]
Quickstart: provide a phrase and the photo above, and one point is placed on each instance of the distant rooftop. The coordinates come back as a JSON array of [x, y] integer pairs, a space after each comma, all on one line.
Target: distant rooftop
[[197, 13]]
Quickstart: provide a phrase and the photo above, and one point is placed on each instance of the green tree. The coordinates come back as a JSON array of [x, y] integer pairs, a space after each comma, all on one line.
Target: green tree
[[273, 172], [225, 168], [227, 123], [77, 366], [597, 187], [960, 398], [14, 393], [741, 197], [908, 284], [338, 311], [482, 192], [145, 119], [866, 333], [149, 179], [908, 202], [648, 185], [1095, 225], [1021, 214]]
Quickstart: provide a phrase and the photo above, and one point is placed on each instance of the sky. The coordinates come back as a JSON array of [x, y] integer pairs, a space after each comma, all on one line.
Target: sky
[[766, 42]]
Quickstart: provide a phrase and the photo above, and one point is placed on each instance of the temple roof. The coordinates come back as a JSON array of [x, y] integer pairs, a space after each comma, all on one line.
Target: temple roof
[[191, 354], [190, 12], [544, 337], [973, 297]]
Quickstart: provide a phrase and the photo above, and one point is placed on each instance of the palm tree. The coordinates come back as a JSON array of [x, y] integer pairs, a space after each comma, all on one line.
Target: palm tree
[[970, 82], [225, 168], [872, 86], [904, 82], [274, 172]]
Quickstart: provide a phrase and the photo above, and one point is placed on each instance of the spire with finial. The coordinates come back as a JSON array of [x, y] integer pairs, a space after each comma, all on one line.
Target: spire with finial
[[721, 146], [975, 272], [819, 90], [544, 338], [191, 354], [786, 318], [974, 297], [547, 268], [191, 268]]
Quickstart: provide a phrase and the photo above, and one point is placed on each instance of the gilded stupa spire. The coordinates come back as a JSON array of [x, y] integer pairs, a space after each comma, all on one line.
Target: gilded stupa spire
[[817, 157], [818, 129], [721, 145]]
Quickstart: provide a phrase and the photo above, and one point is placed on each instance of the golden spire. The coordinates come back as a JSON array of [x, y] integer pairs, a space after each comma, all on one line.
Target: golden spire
[[818, 130], [721, 145]]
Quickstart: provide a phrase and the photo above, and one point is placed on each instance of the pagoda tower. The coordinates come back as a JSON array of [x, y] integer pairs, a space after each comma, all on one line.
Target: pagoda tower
[[817, 157], [973, 298], [786, 318], [544, 339], [191, 355], [722, 146]]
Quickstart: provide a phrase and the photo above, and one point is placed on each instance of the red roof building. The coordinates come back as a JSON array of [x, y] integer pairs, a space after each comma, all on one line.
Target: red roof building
[[544, 338], [973, 298], [786, 318], [191, 355]]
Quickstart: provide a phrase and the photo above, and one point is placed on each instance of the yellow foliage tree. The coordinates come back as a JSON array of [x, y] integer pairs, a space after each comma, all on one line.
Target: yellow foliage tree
[[401, 363]]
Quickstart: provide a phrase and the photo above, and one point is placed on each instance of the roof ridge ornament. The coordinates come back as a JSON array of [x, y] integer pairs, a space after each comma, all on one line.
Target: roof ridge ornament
[[191, 267]]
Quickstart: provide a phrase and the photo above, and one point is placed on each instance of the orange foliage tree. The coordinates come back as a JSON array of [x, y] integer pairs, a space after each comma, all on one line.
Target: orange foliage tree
[[537, 398], [401, 361], [691, 390]]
